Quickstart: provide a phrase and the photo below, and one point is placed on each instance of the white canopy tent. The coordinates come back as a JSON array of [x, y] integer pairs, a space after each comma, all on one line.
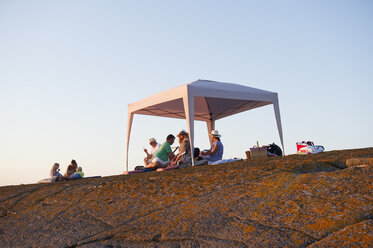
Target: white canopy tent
[[203, 100]]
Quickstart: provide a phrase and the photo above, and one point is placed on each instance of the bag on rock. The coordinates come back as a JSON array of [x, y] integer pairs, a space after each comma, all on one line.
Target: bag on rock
[[311, 149], [274, 149]]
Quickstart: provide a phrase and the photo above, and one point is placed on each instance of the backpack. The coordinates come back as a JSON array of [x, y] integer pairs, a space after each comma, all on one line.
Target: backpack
[[274, 149], [196, 152]]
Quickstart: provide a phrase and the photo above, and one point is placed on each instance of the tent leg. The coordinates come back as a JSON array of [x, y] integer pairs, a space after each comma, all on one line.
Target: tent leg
[[210, 127], [129, 125], [189, 113], [276, 108]]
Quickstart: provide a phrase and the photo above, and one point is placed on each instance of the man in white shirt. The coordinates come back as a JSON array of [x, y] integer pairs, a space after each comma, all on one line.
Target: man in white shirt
[[153, 150]]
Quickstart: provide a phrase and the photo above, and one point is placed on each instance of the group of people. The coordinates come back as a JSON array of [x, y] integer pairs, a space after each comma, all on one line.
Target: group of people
[[161, 156], [72, 172]]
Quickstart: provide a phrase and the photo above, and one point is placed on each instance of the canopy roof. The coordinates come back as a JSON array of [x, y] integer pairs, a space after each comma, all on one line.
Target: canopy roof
[[203, 100]]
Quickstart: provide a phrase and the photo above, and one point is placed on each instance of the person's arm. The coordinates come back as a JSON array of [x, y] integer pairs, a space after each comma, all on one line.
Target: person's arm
[[215, 150], [67, 171], [149, 155], [146, 151], [52, 175], [178, 156], [187, 147], [205, 152], [212, 151], [171, 155]]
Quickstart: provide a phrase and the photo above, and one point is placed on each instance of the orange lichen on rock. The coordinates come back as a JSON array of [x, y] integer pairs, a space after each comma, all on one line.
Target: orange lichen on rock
[[356, 235]]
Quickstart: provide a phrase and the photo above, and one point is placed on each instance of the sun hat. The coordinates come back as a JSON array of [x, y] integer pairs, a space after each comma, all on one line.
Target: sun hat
[[182, 132], [151, 140], [215, 133]]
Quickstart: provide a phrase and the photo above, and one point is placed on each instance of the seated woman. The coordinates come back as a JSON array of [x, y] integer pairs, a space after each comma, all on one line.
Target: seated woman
[[54, 173], [161, 158], [184, 151], [71, 168], [216, 151], [78, 174]]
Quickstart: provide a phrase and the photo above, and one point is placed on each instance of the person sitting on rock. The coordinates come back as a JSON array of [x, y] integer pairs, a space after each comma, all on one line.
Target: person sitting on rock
[[78, 174], [55, 172], [153, 150], [184, 151], [216, 151], [161, 158], [71, 168]]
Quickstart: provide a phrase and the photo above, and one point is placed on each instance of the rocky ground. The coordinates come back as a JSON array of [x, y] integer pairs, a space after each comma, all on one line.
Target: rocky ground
[[320, 200]]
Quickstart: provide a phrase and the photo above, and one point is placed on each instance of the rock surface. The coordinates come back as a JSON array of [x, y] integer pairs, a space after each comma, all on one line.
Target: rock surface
[[365, 161], [294, 201]]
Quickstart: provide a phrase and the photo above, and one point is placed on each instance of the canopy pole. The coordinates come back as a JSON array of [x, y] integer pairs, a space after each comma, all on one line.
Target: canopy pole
[[188, 101], [210, 126], [276, 108], [129, 126]]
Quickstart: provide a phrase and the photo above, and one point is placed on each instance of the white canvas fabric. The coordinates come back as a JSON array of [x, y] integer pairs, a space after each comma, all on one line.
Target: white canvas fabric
[[203, 100]]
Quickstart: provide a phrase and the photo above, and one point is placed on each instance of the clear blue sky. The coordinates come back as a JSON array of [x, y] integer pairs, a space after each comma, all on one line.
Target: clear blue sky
[[68, 70]]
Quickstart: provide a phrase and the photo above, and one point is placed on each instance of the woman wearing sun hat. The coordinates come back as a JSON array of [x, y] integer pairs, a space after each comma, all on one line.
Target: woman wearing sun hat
[[216, 151]]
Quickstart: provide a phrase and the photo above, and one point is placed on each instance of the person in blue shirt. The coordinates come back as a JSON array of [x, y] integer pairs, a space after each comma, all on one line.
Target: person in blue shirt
[[78, 174], [216, 151]]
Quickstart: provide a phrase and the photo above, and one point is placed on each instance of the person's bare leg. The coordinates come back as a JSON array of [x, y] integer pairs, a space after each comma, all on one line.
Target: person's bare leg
[[145, 162], [62, 178], [153, 165]]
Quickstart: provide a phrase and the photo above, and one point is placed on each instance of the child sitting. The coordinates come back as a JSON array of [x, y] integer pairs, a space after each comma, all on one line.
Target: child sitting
[[78, 174]]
